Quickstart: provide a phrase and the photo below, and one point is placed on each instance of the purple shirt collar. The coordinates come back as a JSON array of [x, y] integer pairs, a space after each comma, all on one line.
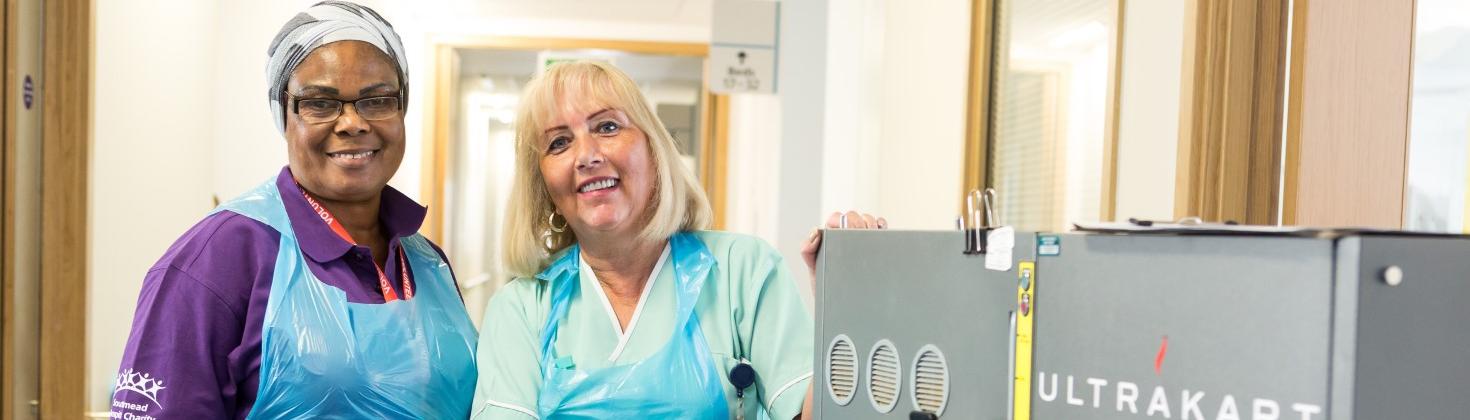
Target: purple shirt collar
[[400, 216]]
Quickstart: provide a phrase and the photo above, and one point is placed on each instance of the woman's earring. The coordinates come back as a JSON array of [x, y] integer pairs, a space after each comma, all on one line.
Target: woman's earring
[[551, 223]]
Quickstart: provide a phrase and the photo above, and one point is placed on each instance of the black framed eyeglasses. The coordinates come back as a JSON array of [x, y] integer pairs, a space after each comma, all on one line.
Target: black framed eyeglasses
[[324, 110]]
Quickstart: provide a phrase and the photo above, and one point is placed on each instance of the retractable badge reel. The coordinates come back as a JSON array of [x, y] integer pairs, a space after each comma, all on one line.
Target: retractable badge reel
[[741, 376]]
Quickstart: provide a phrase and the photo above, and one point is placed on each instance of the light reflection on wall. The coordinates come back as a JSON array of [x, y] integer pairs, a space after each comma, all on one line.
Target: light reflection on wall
[[485, 162], [1439, 127]]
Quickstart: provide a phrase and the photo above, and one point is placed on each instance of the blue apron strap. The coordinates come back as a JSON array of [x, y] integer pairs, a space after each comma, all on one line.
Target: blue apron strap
[[692, 265], [439, 386], [696, 390], [419, 252], [262, 203], [563, 276]]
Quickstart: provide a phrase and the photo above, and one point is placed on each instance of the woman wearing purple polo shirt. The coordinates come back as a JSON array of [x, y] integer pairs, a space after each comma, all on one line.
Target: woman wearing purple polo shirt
[[311, 295]]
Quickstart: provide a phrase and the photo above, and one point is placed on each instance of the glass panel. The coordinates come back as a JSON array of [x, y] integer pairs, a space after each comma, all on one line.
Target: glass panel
[[477, 187], [1049, 110], [1439, 120]]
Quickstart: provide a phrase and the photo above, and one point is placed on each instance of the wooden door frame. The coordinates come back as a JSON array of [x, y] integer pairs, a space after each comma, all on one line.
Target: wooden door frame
[[66, 100], [1231, 110], [976, 174], [1109, 190], [7, 215], [436, 163], [63, 96]]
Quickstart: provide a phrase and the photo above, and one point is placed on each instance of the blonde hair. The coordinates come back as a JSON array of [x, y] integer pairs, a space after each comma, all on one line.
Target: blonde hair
[[678, 201]]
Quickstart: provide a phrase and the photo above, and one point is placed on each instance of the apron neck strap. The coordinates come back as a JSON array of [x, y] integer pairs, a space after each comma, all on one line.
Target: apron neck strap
[[692, 265]]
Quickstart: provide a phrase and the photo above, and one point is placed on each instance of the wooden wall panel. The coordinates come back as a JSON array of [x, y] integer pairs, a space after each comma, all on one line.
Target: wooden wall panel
[[7, 215], [1230, 110], [1348, 143], [1108, 209], [714, 149], [66, 124]]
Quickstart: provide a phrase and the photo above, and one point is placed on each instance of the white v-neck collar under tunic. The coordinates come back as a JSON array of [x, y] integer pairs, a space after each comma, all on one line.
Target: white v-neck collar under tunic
[[590, 282]]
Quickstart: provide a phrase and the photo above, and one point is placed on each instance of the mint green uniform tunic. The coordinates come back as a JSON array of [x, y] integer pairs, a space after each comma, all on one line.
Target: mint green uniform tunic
[[748, 309]]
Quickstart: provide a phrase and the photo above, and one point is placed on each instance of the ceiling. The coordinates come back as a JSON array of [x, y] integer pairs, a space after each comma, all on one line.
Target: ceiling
[[641, 67], [1058, 25], [692, 12]]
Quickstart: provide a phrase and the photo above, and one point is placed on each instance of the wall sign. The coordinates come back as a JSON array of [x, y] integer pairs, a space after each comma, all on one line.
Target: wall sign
[[743, 47]]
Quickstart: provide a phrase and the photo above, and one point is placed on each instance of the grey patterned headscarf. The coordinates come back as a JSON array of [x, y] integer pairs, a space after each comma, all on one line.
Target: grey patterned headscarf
[[322, 24]]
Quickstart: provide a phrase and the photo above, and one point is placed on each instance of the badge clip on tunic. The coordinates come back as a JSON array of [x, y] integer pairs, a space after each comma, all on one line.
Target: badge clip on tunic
[[741, 376]]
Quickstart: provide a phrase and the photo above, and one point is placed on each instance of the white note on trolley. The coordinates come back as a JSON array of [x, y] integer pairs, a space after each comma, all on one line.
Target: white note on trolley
[[998, 245]]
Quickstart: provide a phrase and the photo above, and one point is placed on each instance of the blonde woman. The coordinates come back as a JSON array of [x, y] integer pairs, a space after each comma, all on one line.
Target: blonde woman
[[623, 306]]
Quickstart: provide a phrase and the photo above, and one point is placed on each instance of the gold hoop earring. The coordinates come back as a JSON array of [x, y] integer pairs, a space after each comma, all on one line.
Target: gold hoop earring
[[551, 223]]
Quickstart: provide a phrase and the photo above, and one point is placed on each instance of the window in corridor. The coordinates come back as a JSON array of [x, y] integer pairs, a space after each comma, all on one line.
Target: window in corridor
[[1049, 110]]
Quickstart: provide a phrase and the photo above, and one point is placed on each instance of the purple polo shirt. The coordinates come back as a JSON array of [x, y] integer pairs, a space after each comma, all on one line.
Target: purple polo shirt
[[194, 349]]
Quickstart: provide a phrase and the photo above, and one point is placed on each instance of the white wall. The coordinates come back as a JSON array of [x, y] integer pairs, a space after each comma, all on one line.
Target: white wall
[[802, 91], [896, 81], [753, 174], [871, 107], [246, 149], [924, 88], [150, 157], [1148, 119], [854, 101]]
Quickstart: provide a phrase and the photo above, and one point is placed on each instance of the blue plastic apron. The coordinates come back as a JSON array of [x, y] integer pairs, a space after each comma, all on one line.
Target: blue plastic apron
[[324, 357], [679, 381]]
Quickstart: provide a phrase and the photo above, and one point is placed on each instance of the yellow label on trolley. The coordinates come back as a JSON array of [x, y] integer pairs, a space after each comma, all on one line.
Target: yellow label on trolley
[[1025, 327]]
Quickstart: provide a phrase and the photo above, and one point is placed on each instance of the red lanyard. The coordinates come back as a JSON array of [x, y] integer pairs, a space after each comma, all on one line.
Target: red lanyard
[[388, 294]]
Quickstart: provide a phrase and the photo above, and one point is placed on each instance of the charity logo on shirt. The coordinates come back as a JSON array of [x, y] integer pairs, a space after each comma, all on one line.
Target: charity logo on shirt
[[140, 383]]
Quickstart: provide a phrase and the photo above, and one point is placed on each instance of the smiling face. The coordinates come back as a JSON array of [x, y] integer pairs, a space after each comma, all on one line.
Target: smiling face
[[597, 168], [589, 148], [350, 158]]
